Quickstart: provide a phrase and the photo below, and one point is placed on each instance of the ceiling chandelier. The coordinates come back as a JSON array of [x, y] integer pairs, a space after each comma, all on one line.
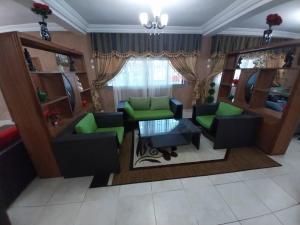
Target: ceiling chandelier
[[159, 21]]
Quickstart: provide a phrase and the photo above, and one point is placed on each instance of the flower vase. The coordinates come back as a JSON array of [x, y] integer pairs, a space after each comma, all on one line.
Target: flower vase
[[45, 34], [268, 35]]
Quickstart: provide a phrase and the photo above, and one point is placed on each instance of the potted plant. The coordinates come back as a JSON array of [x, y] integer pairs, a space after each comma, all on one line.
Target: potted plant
[[43, 10], [210, 98]]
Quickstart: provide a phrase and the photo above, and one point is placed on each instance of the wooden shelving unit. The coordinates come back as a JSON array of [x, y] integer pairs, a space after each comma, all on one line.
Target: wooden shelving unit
[[19, 87], [277, 128]]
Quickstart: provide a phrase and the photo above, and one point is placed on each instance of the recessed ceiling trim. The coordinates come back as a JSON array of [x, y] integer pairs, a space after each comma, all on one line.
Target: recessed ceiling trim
[[234, 11], [29, 27], [69, 15], [259, 32], [139, 29]]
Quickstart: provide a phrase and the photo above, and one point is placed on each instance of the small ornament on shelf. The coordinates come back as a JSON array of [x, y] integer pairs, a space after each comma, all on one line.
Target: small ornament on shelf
[[44, 11], [79, 84], [28, 60], [289, 58], [52, 117], [271, 20], [42, 95], [84, 102]]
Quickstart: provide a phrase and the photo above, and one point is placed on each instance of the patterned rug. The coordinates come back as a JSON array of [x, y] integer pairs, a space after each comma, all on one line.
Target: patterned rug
[[184, 154]]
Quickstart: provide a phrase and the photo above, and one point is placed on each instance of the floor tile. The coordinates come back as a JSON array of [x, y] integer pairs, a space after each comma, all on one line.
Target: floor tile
[[71, 190], [263, 220], [244, 203], [173, 208], [96, 194], [38, 193], [58, 214], [290, 216], [274, 197], [194, 183], [277, 171], [224, 178], [290, 183], [103, 211], [24, 215], [166, 185], [135, 189], [209, 207], [251, 174], [135, 210]]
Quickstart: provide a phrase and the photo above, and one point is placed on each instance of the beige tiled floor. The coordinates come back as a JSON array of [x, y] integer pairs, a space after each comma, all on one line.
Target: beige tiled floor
[[261, 197]]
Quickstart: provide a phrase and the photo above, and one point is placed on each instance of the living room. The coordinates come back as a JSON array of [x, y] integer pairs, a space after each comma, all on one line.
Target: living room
[[122, 112]]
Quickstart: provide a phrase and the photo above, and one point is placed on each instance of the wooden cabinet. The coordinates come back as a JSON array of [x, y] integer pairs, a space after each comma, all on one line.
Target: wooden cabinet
[[19, 87]]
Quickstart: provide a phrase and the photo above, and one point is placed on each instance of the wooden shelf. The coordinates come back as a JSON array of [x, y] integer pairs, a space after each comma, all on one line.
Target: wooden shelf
[[262, 90], [81, 72], [37, 43], [45, 72], [54, 100]]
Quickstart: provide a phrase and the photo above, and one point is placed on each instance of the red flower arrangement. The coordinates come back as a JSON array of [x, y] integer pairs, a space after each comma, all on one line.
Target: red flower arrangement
[[41, 9], [273, 20], [235, 82]]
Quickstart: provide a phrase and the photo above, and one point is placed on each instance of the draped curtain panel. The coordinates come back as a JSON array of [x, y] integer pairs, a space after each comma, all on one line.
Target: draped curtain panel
[[186, 66], [107, 67], [112, 50]]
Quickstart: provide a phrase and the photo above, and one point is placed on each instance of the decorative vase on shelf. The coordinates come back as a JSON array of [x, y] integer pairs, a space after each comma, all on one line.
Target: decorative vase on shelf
[[42, 95], [268, 35], [45, 34], [43, 10]]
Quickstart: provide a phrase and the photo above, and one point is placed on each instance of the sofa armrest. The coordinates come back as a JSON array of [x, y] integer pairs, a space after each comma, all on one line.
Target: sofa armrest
[[235, 131], [204, 109], [176, 107], [114, 119], [87, 154]]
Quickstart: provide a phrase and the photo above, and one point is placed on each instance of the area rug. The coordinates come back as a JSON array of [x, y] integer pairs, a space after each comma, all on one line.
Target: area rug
[[153, 157], [238, 159]]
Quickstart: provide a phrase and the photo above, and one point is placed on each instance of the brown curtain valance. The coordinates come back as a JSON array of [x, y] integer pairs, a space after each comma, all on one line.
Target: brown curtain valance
[[144, 44]]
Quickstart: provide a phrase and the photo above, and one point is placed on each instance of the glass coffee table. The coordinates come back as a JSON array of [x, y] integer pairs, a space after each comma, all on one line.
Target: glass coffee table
[[167, 133]]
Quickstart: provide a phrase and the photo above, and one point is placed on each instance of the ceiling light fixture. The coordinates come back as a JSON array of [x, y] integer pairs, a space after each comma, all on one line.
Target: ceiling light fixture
[[159, 21]]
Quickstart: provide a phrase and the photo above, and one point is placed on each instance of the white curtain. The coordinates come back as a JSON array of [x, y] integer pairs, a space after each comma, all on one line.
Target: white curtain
[[145, 76]]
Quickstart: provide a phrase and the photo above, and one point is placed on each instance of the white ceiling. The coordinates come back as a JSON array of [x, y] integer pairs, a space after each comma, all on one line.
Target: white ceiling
[[126, 12], [289, 11], [207, 17]]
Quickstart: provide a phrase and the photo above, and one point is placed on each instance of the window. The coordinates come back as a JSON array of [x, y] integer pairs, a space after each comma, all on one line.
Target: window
[[147, 72]]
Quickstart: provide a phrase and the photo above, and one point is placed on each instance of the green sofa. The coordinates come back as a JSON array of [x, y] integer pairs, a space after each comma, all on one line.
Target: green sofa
[[150, 108]]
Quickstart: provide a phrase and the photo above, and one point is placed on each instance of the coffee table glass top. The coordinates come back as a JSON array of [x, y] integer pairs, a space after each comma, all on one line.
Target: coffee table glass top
[[166, 126]]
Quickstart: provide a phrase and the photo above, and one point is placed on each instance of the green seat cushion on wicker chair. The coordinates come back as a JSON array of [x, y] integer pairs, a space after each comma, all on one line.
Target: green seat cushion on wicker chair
[[206, 121], [225, 109], [118, 130], [86, 125]]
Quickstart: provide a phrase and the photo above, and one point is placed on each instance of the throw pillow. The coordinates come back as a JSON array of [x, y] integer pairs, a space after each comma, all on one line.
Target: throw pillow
[[160, 103], [86, 125], [225, 109], [139, 103]]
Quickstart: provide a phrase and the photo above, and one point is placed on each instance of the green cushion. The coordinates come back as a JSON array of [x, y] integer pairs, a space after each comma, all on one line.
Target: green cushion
[[139, 103], [152, 114], [128, 109], [225, 109], [160, 103], [86, 125], [205, 121], [118, 130]]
